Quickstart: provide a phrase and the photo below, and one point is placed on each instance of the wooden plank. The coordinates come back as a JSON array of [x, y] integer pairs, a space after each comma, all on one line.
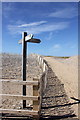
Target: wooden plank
[[26, 112], [35, 90], [40, 93], [36, 93], [28, 37], [20, 97], [36, 79], [36, 105], [12, 117], [20, 82]]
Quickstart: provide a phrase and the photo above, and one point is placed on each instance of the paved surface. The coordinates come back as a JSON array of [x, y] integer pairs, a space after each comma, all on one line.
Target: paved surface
[[55, 103]]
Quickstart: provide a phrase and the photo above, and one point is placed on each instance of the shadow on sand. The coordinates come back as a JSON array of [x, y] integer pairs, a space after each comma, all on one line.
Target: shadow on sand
[[63, 117]]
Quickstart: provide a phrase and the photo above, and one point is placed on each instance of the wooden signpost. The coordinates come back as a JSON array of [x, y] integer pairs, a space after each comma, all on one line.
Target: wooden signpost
[[26, 38], [24, 45]]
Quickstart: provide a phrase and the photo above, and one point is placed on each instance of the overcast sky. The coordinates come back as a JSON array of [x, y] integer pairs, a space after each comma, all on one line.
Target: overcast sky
[[56, 24]]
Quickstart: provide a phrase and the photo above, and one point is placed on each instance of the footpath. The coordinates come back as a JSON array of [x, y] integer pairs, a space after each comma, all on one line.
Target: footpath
[[55, 102]]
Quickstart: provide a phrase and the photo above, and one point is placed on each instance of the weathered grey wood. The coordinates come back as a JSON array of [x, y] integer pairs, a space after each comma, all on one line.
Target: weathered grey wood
[[20, 82], [36, 93], [36, 79], [26, 112], [40, 93], [28, 37], [20, 97]]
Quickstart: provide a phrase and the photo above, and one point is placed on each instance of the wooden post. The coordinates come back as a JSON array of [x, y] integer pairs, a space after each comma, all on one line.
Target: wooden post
[[36, 93], [36, 102], [24, 45]]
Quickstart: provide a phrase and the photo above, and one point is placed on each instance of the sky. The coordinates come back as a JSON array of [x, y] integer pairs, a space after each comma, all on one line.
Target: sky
[[54, 23]]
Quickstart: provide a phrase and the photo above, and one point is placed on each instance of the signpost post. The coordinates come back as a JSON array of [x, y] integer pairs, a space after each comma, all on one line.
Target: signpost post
[[24, 45], [24, 41]]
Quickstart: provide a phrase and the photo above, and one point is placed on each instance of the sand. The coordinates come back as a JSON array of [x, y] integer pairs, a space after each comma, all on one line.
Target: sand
[[65, 69], [11, 70], [67, 72]]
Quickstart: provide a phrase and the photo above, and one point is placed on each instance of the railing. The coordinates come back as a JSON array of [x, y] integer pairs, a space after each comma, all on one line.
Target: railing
[[21, 97], [44, 66], [39, 86]]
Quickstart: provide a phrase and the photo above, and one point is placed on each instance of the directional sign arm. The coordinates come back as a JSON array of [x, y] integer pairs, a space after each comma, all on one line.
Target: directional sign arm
[[28, 37], [34, 40]]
